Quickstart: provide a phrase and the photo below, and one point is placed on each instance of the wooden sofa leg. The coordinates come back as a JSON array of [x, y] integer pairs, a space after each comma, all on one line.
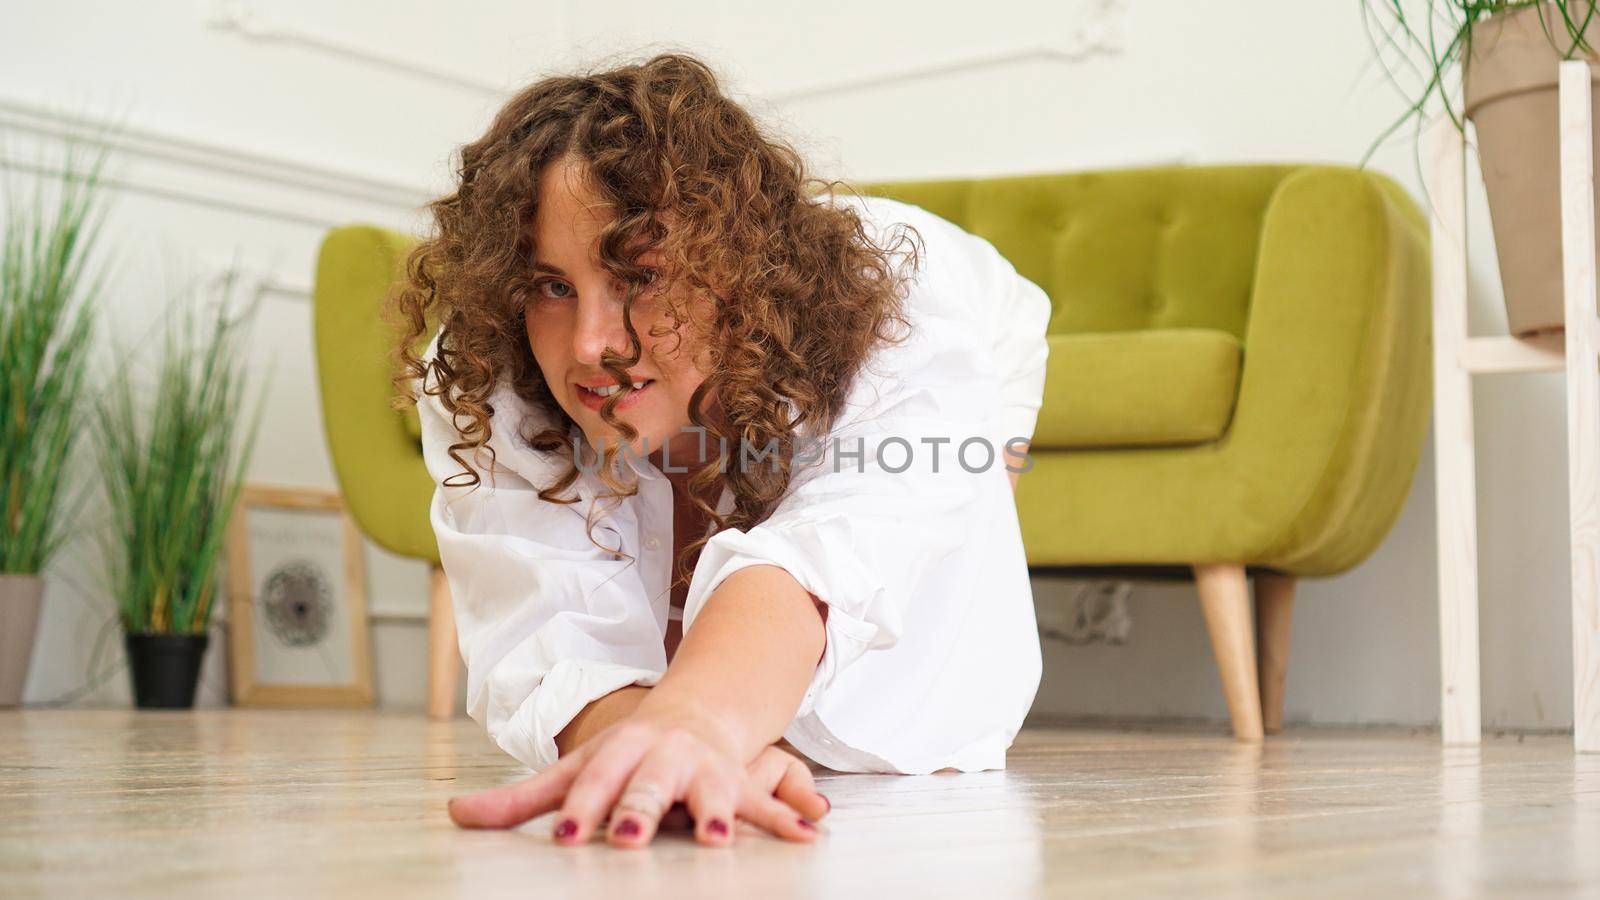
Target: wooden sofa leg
[[1225, 600], [444, 657], [1274, 610]]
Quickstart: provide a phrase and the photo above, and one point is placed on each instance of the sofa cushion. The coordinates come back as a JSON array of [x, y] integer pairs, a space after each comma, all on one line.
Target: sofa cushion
[[1144, 387], [1122, 388]]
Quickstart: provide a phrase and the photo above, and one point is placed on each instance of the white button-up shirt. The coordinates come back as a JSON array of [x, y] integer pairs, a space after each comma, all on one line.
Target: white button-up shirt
[[904, 525]]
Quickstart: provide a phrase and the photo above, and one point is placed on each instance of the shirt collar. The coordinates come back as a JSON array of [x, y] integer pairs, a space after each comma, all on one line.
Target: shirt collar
[[646, 472]]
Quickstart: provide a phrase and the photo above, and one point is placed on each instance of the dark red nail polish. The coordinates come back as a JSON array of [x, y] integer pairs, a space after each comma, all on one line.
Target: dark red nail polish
[[717, 827], [827, 804], [628, 827], [566, 829], [806, 825]]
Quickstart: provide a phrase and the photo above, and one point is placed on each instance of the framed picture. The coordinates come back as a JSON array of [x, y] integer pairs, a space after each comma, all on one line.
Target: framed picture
[[297, 614]]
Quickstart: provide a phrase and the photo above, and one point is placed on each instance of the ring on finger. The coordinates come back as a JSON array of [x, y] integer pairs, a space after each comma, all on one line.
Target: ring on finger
[[647, 799]]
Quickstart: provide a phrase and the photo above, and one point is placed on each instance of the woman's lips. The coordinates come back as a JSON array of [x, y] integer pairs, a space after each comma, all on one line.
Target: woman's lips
[[592, 400]]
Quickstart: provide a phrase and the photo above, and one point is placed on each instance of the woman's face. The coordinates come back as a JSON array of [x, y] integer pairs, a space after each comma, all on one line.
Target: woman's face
[[576, 312]]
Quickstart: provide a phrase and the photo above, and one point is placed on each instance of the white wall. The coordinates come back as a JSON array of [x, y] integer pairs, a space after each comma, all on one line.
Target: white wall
[[335, 112]]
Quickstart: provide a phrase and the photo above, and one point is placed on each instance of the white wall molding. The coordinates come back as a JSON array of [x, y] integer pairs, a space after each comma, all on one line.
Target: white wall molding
[[253, 277], [1101, 31], [190, 197], [254, 21], [149, 150]]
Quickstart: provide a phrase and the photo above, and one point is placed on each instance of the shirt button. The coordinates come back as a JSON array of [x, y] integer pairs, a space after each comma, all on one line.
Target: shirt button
[[652, 543]]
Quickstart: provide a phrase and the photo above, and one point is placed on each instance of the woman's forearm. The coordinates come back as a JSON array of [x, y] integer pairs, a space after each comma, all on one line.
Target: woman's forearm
[[748, 658], [759, 639], [599, 714]]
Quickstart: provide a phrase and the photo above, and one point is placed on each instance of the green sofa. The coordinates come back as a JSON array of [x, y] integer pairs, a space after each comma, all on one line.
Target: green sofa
[[1238, 382]]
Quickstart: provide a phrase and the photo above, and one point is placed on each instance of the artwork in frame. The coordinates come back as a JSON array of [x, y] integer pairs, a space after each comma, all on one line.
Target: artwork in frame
[[298, 627]]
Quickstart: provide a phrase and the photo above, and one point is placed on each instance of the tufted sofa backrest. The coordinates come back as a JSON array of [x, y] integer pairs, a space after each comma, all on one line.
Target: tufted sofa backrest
[[1120, 249]]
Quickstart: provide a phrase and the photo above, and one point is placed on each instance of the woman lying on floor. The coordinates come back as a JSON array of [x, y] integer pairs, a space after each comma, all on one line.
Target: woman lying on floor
[[725, 465]]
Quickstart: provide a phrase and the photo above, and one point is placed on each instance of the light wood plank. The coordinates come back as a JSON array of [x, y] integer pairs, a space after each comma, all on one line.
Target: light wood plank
[[1583, 395], [1455, 480], [260, 802], [1508, 354]]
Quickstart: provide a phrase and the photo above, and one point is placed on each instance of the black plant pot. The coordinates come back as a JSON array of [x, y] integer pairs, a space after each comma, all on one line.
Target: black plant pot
[[165, 668]]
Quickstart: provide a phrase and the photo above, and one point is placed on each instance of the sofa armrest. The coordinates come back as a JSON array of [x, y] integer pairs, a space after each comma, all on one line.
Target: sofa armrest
[[377, 459], [1335, 390]]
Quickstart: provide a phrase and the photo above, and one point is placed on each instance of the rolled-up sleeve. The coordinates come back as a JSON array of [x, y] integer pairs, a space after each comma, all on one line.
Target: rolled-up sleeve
[[547, 620], [883, 502]]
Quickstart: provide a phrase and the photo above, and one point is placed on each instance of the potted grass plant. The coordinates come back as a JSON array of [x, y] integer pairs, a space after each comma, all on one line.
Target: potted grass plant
[[173, 468], [50, 276], [1506, 54]]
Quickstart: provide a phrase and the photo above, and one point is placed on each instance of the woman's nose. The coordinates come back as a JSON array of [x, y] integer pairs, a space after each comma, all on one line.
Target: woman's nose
[[599, 326]]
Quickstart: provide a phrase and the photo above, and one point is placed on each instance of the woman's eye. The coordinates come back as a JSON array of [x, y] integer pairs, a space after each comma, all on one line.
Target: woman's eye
[[539, 289]]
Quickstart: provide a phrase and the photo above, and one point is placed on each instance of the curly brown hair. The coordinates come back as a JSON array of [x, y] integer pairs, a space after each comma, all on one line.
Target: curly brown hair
[[798, 291]]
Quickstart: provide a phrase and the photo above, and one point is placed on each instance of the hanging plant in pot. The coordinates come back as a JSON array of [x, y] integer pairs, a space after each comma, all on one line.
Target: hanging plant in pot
[[49, 279], [173, 475], [1506, 52]]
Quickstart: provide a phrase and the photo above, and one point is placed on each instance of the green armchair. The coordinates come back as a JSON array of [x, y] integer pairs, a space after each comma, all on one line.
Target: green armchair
[[376, 450], [1238, 385]]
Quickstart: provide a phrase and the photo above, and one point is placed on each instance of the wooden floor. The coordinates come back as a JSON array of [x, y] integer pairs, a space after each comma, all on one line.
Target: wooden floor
[[309, 804]]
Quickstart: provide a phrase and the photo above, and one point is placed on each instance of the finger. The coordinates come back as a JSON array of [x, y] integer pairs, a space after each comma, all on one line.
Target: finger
[[712, 801], [676, 818], [654, 785], [510, 806], [780, 773], [797, 788], [774, 816], [595, 789], [767, 769]]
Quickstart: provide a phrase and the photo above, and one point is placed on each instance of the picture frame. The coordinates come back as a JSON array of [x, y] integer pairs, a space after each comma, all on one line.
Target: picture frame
[[298, 630]]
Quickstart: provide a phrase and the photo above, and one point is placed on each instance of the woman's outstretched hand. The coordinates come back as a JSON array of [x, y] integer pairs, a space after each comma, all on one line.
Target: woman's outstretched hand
[[775, 771], [635, 770]]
